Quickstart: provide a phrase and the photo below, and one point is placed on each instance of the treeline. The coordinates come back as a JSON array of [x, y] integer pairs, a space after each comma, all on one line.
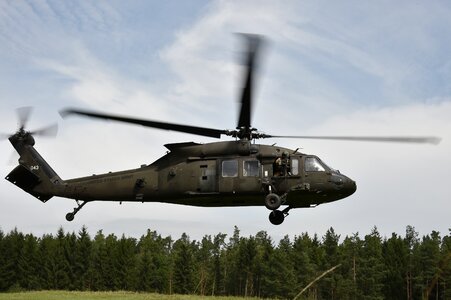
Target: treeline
[[370, 267]]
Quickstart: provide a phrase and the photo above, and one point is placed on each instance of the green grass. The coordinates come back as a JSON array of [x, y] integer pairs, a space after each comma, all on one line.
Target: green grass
[[66, 295]]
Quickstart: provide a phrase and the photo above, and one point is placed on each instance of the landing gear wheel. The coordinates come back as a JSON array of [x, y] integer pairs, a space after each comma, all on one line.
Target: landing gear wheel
[[70, 217], [276, 217], [272, 201]]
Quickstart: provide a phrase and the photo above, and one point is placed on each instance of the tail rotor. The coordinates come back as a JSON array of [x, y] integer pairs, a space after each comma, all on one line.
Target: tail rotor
[[23, 116]]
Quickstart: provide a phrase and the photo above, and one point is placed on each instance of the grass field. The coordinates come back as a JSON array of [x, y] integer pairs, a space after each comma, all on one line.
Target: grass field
[[65, 295]]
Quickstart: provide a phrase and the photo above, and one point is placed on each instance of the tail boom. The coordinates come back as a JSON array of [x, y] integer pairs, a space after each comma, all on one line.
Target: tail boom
[[33, 174]]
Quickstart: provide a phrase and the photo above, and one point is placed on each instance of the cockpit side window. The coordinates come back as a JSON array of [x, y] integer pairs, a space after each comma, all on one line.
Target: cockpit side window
[[251, 168], [312, 164], [294, 166], [230, 168]]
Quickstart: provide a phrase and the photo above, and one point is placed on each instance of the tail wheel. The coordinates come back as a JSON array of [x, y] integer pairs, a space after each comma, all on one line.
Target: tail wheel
[[272, 201], [71, 215]]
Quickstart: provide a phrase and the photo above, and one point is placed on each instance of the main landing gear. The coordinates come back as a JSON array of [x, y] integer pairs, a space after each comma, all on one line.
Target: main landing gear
[[273, 202], [70, 216]]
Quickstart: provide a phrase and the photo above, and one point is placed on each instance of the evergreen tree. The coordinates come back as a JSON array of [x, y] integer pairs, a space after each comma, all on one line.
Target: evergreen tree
[[144, 271], [204, 266], [2, 262], [12, 248], [265, 270], [154, 262], [47, 268], [161, 264], [232, 272], [183, 266], [412, 241], [282, 270], [247, 254], [62, 265], [349, 251], [125, 262], [427, 264], [29, 263], [394, 268], [371, 275], [301, 257], [328, 285], [396, 262], [110, 275], [317, 257], [82, 260], [71, 257], [445, 264], [218, 286], [98, 266]]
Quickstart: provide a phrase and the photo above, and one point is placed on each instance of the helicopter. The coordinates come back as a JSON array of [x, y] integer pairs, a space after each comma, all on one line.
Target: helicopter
[[237, 172]]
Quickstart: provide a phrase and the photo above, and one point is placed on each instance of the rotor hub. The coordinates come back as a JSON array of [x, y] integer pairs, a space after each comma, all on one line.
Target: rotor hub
[[22, 136]]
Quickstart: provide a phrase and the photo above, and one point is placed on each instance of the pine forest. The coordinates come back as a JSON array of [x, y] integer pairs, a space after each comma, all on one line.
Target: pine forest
[[358, 267]]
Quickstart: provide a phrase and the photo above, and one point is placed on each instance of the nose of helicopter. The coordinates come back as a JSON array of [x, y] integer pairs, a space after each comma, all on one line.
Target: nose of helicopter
[[343, 184], [349, 186]]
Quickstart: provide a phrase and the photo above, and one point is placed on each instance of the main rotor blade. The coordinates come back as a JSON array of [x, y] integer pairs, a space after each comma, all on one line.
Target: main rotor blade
[[23, 113], [393, 139], [254, 42], [49, 131], [203, 131]]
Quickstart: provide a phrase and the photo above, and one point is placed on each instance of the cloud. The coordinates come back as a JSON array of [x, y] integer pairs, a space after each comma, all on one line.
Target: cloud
[[345, 69], [203, 56], [324, 59], [397, 184]]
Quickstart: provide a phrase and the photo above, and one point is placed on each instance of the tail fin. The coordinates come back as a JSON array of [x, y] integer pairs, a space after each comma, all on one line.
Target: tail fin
[[33, 174]]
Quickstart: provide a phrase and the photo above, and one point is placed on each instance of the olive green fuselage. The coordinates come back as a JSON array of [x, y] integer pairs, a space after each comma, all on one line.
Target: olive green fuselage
[[236, 173]]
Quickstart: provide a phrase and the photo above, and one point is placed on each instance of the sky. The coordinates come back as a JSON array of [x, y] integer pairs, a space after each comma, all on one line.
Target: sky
[[328, 68]]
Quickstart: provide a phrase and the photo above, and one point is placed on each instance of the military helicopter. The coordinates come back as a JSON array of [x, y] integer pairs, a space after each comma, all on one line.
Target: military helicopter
[[229, 173]]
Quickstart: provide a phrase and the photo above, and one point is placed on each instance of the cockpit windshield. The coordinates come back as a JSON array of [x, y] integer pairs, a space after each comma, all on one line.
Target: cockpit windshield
[[328, 167], [312, 164]]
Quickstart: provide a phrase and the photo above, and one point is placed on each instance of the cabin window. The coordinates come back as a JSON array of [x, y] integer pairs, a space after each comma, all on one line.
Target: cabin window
[[312, 164], [294, 166], [251, 168], [230, 168]]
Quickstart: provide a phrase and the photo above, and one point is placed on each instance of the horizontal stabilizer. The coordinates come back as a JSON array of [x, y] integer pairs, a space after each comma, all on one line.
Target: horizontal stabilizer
[[22, 177]]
